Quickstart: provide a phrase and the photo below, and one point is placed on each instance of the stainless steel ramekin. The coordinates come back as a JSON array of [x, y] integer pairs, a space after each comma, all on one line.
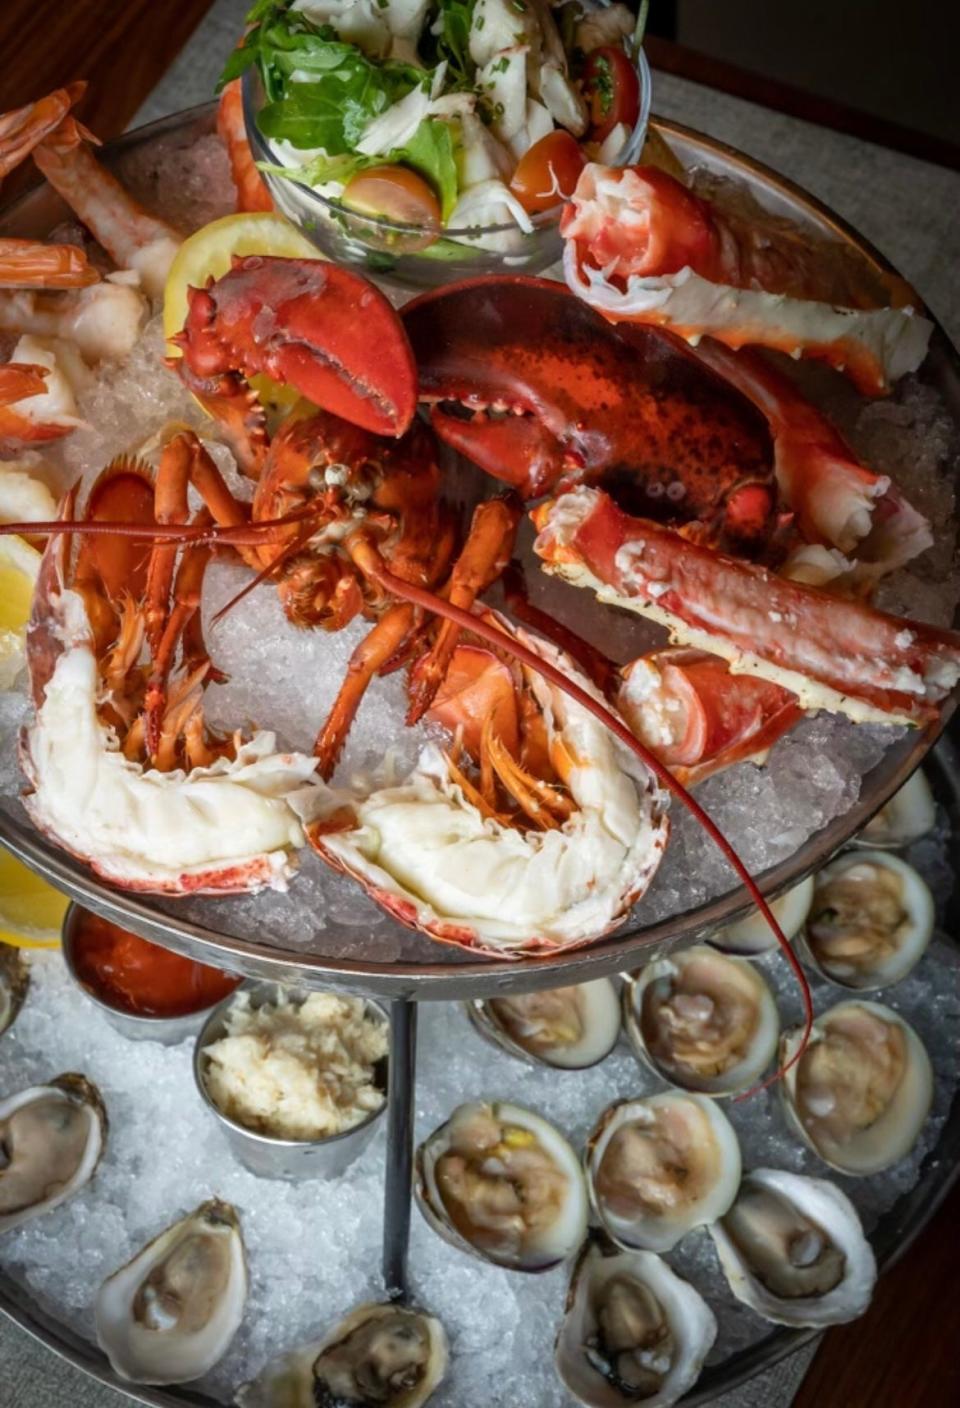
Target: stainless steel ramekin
[[271, 1157]]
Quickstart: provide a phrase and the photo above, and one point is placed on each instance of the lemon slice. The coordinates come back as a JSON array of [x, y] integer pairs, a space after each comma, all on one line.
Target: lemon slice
[[209, 252], [31, 911], [19, 564]]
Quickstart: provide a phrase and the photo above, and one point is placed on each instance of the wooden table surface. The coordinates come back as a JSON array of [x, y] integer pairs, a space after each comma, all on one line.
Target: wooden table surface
[[904, 1351]]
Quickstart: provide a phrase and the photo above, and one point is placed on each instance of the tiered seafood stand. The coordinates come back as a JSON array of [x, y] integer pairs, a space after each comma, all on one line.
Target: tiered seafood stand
[[430, 973]]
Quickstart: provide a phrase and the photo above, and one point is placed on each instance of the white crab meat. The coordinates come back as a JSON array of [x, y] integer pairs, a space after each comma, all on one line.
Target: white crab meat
[[503, 82], [57, 404], [501, 24], [428, 855], [479, 156], [604, 24], [227, 827], [486, 204], [562, 99], [360, 22], [613, 143], [103, 321], [395, 127], [24, 497]]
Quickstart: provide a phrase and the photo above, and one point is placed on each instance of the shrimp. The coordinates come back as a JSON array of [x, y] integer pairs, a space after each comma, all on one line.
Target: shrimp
[[252, 193]]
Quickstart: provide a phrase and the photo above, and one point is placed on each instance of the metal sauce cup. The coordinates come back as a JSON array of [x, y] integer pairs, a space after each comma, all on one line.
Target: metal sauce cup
[[169, 1031], [273, 1157]]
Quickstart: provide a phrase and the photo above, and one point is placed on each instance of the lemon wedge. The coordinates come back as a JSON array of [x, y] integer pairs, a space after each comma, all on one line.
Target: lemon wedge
[[31, 911], [19, 564], [208, 254]]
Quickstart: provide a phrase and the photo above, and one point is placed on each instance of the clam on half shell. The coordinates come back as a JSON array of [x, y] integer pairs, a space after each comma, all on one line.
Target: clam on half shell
[[51, 1139], [502, 1183], [567, 1028], [702, 1020], [870, 921], [170, 1313], [909, 814], [752, 937], [14, 982], [633, 1331], [658, 1167], [379, 1356], [861, 1092], [793, 1249]]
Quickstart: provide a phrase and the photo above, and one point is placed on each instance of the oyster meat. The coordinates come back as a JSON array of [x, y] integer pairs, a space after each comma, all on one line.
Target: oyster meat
[[793, 1249], [861, 1092], [702, 1020], [499, 1181], [51, 1139], [660, 1166], [379, 1356], [567, 1028], [170, 1313], [633, 1331], [870, 922], [752, 938]]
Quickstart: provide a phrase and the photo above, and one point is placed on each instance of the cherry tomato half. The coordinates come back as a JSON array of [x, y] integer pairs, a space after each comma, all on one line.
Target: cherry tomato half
[[394, 193], [547, 171], [611, 87]]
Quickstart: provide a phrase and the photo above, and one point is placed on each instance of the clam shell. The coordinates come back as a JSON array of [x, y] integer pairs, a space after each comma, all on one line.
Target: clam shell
[[156, 1338], [705, 967], [909, 814], [822, 1203], [600, 1010], [14, 982], [552, 1245], [62, 1098], [697, 1127], [752, 937]]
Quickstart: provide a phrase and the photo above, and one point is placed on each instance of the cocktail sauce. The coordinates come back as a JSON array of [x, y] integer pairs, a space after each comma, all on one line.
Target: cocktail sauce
[[140, 978]]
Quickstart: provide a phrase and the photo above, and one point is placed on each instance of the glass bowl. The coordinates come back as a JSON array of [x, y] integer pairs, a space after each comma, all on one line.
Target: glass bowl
[[411, 255]]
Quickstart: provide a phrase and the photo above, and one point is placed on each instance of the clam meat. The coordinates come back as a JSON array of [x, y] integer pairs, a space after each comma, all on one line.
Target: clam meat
[[861, 1092], [793, 1249], [14, 981], [51, 1139], [660, 1166], [499, 1181], [379, 1356], [567, 1028], [633, 1331], [752, 937], [170, 1313], [702, 1020], [909, 814], [871, 919]]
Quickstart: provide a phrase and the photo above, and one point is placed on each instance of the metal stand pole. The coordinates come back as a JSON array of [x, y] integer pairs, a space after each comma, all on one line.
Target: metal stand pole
[[396, 1207]]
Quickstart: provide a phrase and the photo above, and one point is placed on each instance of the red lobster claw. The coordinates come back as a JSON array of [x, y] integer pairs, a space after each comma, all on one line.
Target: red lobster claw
[[310, 324]]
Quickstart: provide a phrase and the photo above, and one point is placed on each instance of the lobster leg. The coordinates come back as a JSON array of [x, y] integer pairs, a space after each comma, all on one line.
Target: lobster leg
[[370, 655], [595, 665], [186, 603], [486, 552]]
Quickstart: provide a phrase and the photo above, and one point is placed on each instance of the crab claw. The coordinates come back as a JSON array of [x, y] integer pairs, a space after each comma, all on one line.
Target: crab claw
[[305, 322]]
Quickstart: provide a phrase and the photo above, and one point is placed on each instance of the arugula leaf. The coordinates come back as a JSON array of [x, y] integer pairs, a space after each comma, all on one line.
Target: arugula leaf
[[430, 153], [453, 42]]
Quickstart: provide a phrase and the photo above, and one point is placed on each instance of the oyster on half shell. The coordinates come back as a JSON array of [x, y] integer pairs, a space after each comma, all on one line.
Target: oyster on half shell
[[861, 1091], [909, 814], [51, 1139], [793, 1249], [633, 1331], [14, 982], [566, 1028], [379, 1356], [170, 1313], [702, 1020], [502, 1183], [660, 1166]]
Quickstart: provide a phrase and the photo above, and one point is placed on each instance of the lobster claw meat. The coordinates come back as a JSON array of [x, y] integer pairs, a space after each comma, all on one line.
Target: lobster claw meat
[[832, 653], [640, 247], [699, 717], [309, 324], [549, 393]]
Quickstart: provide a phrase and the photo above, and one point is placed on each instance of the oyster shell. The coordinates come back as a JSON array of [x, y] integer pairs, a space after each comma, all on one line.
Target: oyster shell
[[702, 1020], [14, 982], [909, 814], [793, 1249], [500, 1182], [379, 1356], [871, 919], [567, 1028], [633, 1331], [660, 1166], [752, 937], [860, 1093], [170, 1313], [51, 1139]]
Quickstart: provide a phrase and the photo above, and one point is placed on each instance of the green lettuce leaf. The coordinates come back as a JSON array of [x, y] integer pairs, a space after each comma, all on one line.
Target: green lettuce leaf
[[430, 153]]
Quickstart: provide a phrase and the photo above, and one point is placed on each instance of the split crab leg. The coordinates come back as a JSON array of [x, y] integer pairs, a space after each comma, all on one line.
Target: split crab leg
[[640, 247]]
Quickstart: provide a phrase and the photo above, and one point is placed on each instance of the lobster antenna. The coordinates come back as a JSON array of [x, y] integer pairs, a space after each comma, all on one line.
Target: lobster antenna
[[498, 638]]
